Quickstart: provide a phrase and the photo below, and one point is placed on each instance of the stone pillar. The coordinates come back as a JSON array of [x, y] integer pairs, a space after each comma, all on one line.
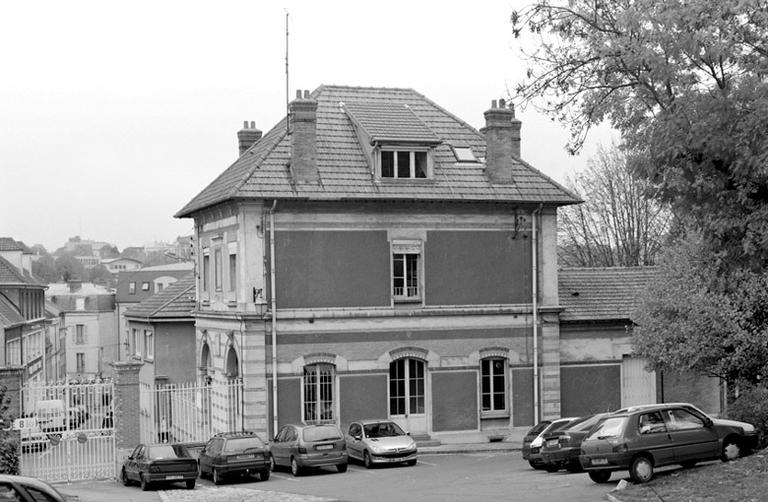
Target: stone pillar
[[550, 365], [10, 378], [126, 404]]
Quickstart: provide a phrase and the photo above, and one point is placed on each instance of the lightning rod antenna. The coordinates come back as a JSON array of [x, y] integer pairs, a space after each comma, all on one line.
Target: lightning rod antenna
[[287, 96]]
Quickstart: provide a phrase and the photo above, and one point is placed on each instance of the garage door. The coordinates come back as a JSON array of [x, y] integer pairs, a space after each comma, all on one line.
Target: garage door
[[638, 386]]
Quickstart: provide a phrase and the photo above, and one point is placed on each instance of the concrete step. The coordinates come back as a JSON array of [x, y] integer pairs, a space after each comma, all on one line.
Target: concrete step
[[424, 440]]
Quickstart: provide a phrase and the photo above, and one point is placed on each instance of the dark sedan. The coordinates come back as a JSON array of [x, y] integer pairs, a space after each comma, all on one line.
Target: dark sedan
[[151, 464], [533, 441], [234, 454], [561, 449]]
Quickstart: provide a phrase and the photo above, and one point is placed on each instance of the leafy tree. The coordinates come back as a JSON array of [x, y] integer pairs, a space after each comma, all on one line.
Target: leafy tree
[[619, 223], [69, 268], [101, 275], [107, 251], [45, 269], [9, 440], [39, 249]]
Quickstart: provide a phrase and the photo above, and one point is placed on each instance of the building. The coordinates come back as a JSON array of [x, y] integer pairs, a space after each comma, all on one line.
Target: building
[[162, 334], [406, 262], [117, 265], [27, 329], [135, 286], [88, 315]]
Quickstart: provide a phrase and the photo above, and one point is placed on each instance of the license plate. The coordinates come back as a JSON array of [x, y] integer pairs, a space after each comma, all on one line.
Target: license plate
[[325, 447], [552, 443], [599, 461], [395, 459], [175, 476], [245, 457]]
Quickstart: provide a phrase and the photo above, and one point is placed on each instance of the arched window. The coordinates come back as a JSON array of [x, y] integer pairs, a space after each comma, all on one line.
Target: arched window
[[319, 393], [493, 384]]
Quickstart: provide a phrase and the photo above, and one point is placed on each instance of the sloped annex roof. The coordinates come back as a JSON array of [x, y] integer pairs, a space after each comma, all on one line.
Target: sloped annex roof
[[9, 314], [174, 302], [10, 275], [262, 172], [601, 293]]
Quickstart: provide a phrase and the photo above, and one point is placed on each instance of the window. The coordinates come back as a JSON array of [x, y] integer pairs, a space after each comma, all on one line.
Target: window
[[232, 272], [79, 334], [464, 154], [405, 271], [404, 163], [136, 343], [217, 269], [149, 346], [651, 423], [682, 420], [318, 393], [493, 384], [159, 286], [206, 271], [13, 352], [131, 288], [80, 362], [406, 387], [145, 286]]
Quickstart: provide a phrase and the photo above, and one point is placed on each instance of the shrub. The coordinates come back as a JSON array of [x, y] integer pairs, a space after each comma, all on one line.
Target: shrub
[[9, 454], [752, 407]]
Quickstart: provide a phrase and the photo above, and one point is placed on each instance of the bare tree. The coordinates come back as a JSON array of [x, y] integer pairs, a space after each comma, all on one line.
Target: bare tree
[[619, 223]]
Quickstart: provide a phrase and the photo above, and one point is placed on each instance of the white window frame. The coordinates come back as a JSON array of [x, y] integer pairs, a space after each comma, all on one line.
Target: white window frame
[[412, 161], [318, 387], [13, 352], [405, 248], [492, 390], [79, 334], [137, 342], [149, 344], [78, 368]]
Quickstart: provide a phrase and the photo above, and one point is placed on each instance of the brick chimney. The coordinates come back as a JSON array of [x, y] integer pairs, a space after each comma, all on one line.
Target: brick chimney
[[247, 136], [303, 117], [502, 141]]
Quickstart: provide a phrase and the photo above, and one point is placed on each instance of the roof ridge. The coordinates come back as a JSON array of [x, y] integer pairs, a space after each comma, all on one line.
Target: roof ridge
[[161, 307]]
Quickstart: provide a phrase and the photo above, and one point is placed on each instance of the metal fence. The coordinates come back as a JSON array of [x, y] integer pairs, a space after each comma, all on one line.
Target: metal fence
[[190, 412], [68, 432]]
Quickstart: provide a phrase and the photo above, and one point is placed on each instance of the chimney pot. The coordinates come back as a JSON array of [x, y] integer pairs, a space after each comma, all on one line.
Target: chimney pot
[[502, 141], [245, 124], [306, 94], [493, 103], [253, 124], [303, 117], [247, 136], [502, 103], [298, 93]]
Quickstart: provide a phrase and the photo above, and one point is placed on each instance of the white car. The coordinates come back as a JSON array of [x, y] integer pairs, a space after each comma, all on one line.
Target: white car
[[33, 440], [380, 442]]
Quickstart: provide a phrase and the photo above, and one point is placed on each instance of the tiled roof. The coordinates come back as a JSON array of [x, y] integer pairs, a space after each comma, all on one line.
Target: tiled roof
[[147, 274], [9, 274], [9, 314], [8, 244], [601, 294], [385, 121], [262, 172], [175, 301]]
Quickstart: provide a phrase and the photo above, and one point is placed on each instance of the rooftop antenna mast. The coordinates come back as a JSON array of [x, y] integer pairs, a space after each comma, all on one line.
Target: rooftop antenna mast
[[287, 105]]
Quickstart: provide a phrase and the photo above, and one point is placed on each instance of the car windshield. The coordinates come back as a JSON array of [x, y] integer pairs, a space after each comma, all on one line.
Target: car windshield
[[160, 452], [559, 425], [587, 423], [242, 444], [321, 433], [536, 429], [612, 427], [382, 430]]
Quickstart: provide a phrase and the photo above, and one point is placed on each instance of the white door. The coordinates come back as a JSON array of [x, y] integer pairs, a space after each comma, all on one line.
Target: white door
[[638, 386], [407, 395]]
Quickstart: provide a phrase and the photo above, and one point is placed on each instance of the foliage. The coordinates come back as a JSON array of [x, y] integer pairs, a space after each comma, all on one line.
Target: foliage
[[107, 251], [69, 268], [695, 317], [619, 223], [45, 269], [101, 275], [9, 443], [752, 407]]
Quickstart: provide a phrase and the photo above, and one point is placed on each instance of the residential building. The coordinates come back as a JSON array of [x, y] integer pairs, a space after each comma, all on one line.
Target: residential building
[[122, 264], [135, 286], [89, 317]]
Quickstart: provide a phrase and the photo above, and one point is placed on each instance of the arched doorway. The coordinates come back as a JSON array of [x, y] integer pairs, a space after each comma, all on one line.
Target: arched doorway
[[408, 394], [232, 372]]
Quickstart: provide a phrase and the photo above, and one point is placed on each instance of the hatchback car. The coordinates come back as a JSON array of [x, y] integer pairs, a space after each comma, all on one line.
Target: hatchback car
[[307, 446], [380, 442], [23, 488], [234, 453], [645, 437], [561, 448], [532, 447], [150, 464]]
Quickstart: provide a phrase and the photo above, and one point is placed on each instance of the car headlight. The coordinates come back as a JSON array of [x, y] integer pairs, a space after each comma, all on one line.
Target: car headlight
[[536, 443], [748, 428]]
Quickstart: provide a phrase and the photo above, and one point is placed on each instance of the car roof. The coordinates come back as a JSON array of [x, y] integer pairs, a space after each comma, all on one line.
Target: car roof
[[28, 481], [657, 406], [373, 421], [236, 434]]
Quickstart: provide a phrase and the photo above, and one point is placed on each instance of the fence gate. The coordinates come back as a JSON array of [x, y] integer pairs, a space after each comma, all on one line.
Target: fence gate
[[70, 433], [190, 412]]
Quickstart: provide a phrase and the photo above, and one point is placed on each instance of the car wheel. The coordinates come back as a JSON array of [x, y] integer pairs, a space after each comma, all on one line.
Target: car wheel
[[190, 484], [535, 465], [641, 470], [216, 476], [367, 460], [411, 462], [341, 467], [574, 466], [295, 469], [124, 477], [551, 468], [731, 450], [600, 476], [144, 483], [272, 464], [264, 475]]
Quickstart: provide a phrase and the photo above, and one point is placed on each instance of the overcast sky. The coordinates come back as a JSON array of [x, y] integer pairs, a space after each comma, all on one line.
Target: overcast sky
[[113, 115]]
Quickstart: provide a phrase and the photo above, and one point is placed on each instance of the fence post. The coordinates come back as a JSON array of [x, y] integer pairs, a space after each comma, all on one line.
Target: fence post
[[10, 377], [126, 407]]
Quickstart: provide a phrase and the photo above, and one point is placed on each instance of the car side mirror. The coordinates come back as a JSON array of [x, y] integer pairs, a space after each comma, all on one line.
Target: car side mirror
[[358, 437], [710, 423]]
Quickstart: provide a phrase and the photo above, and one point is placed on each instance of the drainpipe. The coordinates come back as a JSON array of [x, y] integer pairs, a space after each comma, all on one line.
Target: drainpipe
[[535, 305], [274, 312]]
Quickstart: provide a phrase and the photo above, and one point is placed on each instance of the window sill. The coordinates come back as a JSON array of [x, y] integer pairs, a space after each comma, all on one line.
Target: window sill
[[494, 414], [402, 299]]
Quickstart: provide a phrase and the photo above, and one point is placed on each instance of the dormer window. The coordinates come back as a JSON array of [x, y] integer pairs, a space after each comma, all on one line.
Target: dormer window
[[464, 154], [404, 163]]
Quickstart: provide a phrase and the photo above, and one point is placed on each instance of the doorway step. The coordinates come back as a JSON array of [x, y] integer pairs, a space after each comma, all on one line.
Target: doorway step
[[424, 440]]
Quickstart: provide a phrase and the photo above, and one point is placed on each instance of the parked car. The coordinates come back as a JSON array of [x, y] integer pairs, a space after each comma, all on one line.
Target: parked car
[[234, 454], [380, 442], [149, 464], [26, 489], [33, 439], [561, 448], [532, 448], [307, 446], [645, 437]]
